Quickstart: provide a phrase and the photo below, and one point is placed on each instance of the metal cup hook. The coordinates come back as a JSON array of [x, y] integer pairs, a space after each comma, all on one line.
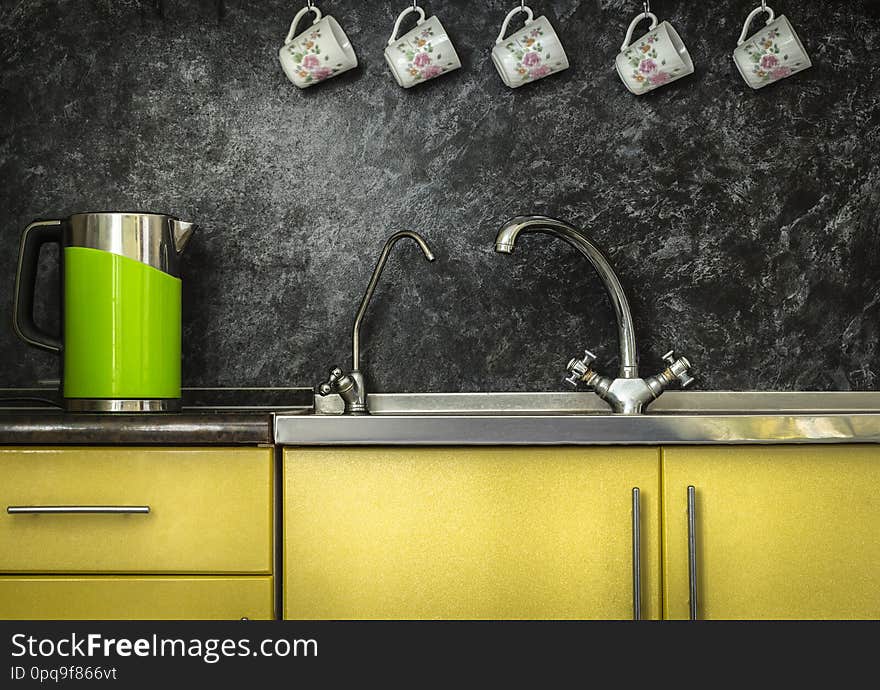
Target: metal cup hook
[[647, 7]]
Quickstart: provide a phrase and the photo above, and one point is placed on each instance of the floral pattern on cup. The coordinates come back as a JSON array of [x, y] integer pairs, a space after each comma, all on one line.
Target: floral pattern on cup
[[647, 70], [533, 60], [422, 64], [311, 66], [769, 64]]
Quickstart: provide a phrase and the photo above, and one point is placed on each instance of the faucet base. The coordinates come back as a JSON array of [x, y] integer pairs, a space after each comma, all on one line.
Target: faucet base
[[628, 395], [350, 387]]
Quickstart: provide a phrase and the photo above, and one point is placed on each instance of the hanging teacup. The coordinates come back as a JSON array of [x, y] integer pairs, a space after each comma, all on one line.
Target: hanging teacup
[[423, 53], [773, 53], [320, 52], [532, 53], [657, 58]]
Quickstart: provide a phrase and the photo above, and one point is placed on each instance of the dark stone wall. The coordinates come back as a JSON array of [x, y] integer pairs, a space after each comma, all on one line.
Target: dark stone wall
[[744, 225]]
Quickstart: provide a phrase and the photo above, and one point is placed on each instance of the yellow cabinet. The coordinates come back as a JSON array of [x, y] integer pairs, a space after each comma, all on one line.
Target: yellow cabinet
[[192, 510], [94, 597], [780, 531], [495, 533]]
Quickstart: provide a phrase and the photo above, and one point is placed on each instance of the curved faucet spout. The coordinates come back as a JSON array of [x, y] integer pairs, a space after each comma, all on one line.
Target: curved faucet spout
[[351, 386], [506, 240], [377, 272]]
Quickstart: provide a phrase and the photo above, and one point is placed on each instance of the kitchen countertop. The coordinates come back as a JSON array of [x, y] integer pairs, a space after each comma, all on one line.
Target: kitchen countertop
[[209, 417], [287, 416], [677, 417]]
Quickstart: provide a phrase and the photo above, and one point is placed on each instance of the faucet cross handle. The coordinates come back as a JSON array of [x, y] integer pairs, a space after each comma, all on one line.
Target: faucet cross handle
[[330, 385], [577, 369], [679, 367]]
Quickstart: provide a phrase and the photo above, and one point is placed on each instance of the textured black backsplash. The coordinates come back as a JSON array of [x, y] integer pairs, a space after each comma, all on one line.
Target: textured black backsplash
[[744, 225]]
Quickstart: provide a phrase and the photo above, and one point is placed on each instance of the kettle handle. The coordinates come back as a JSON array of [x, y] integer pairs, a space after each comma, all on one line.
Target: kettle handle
[[33, 238]]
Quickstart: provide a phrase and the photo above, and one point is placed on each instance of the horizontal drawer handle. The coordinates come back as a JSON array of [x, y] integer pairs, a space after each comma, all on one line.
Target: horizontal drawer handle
[[18, 510]]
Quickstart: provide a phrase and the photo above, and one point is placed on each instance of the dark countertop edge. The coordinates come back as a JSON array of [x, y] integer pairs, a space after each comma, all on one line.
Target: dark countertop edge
[[186, 428]]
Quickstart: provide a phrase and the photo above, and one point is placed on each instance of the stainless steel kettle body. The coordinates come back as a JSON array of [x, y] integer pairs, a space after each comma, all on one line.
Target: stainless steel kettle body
[[121, 307]]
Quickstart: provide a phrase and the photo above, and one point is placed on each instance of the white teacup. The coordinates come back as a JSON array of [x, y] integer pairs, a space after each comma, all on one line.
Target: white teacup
[[657, 58], [318, 53], [423, 53], [773, 53], [532, 53]]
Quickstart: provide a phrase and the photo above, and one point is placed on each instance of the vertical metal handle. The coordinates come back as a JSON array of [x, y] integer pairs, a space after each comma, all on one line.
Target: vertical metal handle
[[692, 551], [636, 556]]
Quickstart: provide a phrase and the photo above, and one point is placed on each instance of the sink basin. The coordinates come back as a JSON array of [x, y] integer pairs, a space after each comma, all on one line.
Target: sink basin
[[586, 403]]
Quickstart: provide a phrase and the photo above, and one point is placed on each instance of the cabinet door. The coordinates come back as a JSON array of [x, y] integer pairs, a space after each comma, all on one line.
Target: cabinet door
[[781, 531], [465, 533], [95, 597]]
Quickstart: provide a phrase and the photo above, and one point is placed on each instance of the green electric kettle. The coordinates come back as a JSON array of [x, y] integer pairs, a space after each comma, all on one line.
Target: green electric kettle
[[120, 307]]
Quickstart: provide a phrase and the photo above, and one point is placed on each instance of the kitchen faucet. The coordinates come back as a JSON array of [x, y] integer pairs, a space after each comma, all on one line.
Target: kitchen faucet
[[351, 386], [628, 393]]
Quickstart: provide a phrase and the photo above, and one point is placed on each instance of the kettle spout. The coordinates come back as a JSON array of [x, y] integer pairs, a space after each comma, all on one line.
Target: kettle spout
[[181, 232]]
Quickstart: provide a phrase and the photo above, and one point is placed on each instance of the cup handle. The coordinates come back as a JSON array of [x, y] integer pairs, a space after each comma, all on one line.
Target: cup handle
[[413, 8], [634, 23], [754, 13], [299, 15], [510, 15]]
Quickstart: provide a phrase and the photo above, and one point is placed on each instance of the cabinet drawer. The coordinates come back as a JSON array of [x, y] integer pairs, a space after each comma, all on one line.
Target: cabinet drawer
[[138, 598], [210, 510]]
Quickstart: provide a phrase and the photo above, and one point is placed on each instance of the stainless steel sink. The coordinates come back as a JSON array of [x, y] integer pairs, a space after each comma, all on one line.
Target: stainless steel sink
[[583, 419], [674, 402]]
